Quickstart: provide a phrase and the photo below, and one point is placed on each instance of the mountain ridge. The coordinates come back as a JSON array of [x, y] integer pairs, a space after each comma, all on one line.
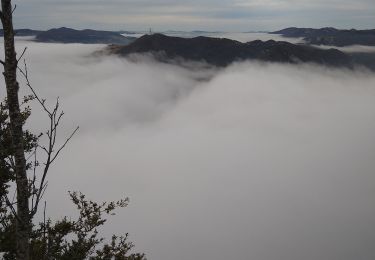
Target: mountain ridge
[[222, 52], [330, 36], [23, 32], [87, 36]]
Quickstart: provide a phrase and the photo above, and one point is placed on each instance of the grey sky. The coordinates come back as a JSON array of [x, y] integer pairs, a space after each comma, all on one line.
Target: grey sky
[[230, 15]]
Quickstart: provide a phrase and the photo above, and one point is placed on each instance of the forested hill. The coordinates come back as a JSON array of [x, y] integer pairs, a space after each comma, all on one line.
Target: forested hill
[[23, 32], [222, 52], [331, 36], [68, 35]]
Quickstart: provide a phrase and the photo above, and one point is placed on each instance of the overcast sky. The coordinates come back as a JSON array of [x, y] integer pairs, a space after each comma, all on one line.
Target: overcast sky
[[228, 15]]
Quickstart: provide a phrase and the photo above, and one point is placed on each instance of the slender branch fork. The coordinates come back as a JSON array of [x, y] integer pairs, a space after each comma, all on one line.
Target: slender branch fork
[[55, 117], [37, 190]]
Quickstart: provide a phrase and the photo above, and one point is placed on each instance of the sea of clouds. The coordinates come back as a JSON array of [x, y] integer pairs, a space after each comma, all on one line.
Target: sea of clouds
[[254, 161]]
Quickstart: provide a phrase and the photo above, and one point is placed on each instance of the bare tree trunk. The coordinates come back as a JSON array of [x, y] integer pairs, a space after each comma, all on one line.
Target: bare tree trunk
[[10, 74]]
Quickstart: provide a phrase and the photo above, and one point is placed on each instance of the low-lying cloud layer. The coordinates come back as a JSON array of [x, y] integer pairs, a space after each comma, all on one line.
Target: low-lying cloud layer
[[256, 161]]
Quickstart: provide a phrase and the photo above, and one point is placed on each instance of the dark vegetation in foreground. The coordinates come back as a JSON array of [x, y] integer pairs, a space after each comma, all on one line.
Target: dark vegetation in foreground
[[23, 178], [69, 239]]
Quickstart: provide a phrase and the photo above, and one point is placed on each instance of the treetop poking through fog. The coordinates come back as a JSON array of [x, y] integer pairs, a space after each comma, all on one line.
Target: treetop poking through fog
[[230, 15]]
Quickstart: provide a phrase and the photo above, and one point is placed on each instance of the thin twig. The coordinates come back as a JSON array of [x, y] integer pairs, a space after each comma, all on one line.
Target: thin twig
[[23, 53], [67, 140], [10, 205], [14, 8], [55, 117]]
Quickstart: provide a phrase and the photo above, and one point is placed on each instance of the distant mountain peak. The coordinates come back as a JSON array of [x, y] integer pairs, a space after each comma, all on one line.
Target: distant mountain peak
[[331, 36], [69, 35]]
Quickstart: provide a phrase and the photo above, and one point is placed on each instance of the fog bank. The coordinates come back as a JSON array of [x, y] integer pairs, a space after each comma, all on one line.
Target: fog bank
[[255, 161]]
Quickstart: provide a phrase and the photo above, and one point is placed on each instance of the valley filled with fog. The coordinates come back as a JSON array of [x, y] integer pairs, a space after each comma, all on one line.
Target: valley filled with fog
[[254, 161]]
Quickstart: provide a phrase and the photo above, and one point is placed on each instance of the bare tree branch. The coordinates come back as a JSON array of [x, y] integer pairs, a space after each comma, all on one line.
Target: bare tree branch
[[24, 73], [22, 142], [23, 53], [66, 141], [55, 118], [10, 205]]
